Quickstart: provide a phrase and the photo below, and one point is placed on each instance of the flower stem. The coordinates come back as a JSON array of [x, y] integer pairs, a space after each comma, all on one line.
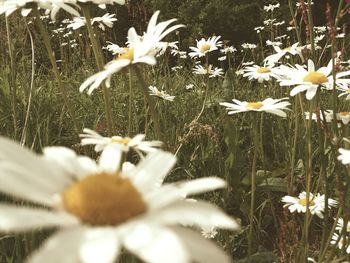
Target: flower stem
[[100, 64], [255, 124], [52, 58], [150, 104], [130, 105]]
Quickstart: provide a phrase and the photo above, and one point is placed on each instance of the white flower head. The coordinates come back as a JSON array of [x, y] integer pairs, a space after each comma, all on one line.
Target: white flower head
[[341, 242], [260, 74], [344, 156], [316, 203], [136, 143], [274, 106], [141, 49], [99, 209], [292, 50], [309, 80], [210, 70], [153, 91], [204, 46]]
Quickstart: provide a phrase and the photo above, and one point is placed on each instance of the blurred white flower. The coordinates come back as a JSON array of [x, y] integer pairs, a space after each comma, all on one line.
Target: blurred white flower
[[212, 72], [100, 210], [204, 46], [344, 156], [153, 91], [137, 143], [274, 106], [271, 7]]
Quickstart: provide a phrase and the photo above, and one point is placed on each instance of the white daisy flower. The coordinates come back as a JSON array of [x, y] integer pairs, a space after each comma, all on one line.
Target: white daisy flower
[[114, 49], [189, 86], [292, 50], [249, 46], [274, 106], [137, 143], [309, 80], [340, 225], [99, 209], [7, 7], [344, 156], [259, 73], [316, 203], [77, 23], [341, 242], [344, 117], [209, 232], [328, 115], [141, 49], [204, 46], [229, 49], [212, 72], [153, 91], [271, 7], [345, 91], [106, 20]]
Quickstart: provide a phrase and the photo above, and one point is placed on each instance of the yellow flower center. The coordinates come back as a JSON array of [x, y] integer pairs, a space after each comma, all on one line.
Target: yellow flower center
[[255, 105], [344, 113], [287, 49], [263, 70], [303, 202], [315, 78], [124, 141], [127, 54], [103, 199], [205, 48]]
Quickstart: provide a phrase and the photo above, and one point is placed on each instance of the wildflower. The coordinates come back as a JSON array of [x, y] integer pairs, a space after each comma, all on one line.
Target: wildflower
[[209, 232], [316, 203], [99, 209], [229, 49], [141, 49], [204, 46], [153, 91], [309, 80], [272, 59], [190, 86], [271, 7], [105, 20], [259, 73], [212, 72], [341, 242], [326, 115], [137, 143], [340, 225], [344, 156], [274, 106], [114, 48], [248, 46], [223, 58]]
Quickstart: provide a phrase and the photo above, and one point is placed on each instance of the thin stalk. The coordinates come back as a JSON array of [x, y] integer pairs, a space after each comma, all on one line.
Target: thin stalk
[[52, 58], [13, 76], [311, 28], [297, 30], [100, 64], [130, 105], [23, 137], [253, 185], [150, 103], [295, 141]]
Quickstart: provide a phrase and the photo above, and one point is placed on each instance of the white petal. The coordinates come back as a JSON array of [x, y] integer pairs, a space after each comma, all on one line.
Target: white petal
[[201, 249], [150, 173], [110, 158], [16, 218], [156, 244]]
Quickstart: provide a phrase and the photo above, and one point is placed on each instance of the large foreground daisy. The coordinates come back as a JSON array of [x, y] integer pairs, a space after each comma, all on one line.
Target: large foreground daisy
[[100, 209], [274, 106]]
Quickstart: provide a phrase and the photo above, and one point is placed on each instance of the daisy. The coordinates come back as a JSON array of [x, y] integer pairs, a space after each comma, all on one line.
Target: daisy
[[212, 72], [274, 106], [7, 7], [99, 209], [327, 115], [341, 242], [141, 49], [292, 50], [106, 20], [137, 143], [344, 156], [309, 80], [345, 91], [153, 91], [204, 46], [259, 73], [340, 225], [316, 203], [344, 117], [209, 232]]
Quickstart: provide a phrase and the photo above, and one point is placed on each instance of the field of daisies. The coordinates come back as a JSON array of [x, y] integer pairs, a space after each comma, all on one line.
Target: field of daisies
[[132, 146]]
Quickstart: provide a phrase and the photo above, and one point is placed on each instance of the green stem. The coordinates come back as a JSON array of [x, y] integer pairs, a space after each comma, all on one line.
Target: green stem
[[253, 186], [13, 76], [150, 104], [100, 64], [311, 28], [297, 30], [52, 58], [130, 105]]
